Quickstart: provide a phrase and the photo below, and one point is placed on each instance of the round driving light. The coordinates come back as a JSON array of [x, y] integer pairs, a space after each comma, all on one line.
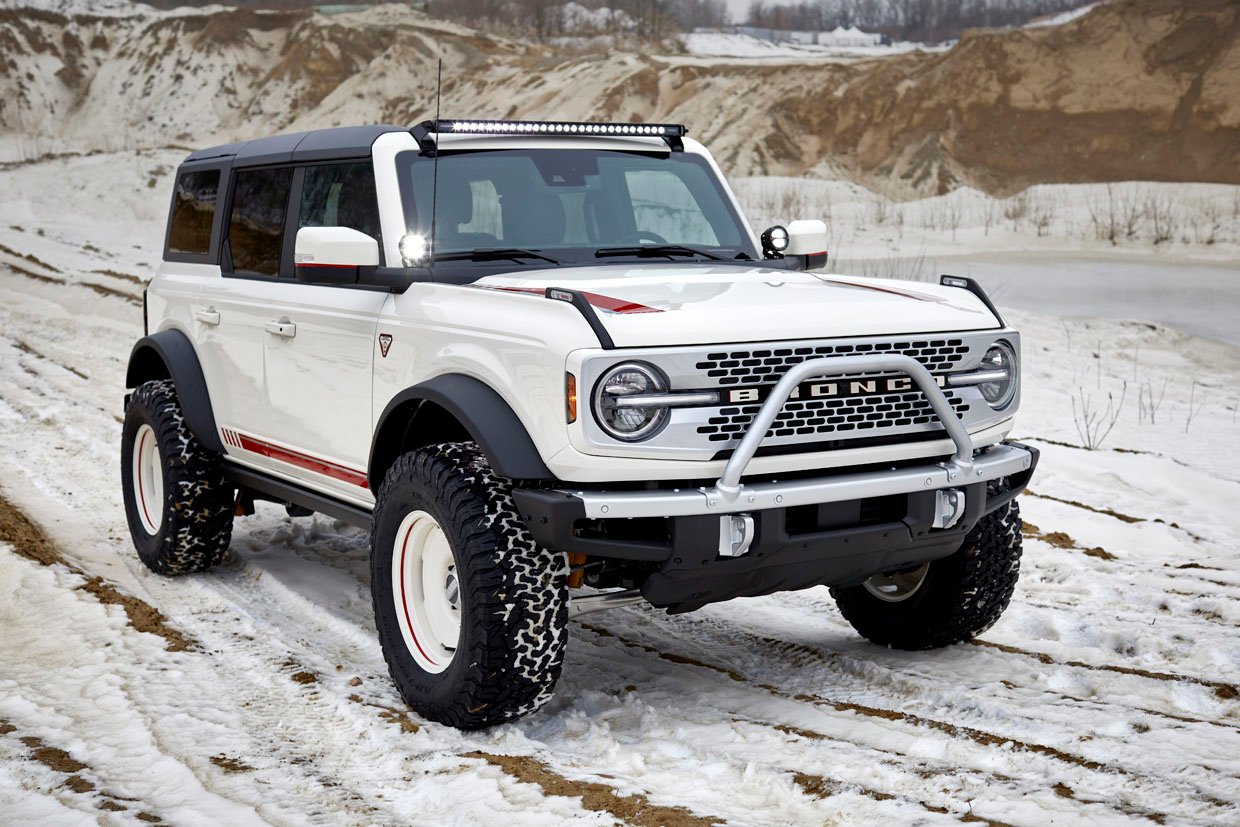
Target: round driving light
[[999, 359], [618, 405], [414, 249], [775, 240]]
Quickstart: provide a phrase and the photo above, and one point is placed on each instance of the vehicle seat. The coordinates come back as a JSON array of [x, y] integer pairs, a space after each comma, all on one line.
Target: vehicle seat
[[456, 207], [536, 221]]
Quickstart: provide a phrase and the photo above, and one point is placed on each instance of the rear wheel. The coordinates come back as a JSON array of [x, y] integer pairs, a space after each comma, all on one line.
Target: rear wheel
[[178, 503], [471, 612], [946, 601]]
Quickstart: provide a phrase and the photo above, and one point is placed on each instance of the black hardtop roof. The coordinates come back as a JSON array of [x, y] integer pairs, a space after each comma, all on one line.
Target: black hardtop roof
[[315, 145]]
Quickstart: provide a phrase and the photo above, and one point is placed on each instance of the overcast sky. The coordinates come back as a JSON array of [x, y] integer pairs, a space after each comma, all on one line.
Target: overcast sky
[[739, 9]]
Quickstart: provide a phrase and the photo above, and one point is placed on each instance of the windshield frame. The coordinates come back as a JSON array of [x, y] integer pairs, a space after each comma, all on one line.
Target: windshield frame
[[745, 253]]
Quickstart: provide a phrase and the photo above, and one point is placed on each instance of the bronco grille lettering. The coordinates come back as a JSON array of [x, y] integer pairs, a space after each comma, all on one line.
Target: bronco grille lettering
[[865, 386]]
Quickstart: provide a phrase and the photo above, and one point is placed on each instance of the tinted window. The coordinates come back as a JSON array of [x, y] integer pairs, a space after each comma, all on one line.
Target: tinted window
[[340, 195], [256, 225], [193, 210]]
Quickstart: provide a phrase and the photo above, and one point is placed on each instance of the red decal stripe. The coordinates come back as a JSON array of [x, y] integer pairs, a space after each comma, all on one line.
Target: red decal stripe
[[617, 305], [597, 299], [318, 466]]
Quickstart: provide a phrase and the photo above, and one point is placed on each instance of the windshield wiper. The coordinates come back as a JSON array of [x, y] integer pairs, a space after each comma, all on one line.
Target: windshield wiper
[[494, 254], [659, 250]]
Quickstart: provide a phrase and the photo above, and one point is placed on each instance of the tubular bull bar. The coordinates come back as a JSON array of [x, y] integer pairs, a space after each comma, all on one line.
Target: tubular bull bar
[[731, 496]]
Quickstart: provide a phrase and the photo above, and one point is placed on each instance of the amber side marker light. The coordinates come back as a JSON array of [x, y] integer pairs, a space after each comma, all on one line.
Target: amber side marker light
[[570, 396]]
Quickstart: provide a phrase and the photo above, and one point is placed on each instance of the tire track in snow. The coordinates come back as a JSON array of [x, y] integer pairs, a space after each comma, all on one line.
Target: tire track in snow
[[635, 809], [801, 654], [1224, 691], [981, 737], [842, 752], [288, 621]]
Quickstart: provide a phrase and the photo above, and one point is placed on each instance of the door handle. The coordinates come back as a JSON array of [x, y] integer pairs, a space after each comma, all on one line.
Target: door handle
[[209, 316], [283, 328]]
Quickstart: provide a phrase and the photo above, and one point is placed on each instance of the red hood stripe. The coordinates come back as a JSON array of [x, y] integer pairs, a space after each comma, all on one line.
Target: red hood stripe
[[600, 301]]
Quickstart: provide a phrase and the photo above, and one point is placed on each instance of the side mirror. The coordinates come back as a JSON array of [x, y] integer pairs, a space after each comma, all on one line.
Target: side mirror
[[332, 255], [807, 242]]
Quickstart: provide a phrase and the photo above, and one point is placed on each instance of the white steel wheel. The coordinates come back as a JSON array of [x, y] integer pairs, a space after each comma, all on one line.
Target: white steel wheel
[[426, 591], [148, 480], [897, 587]]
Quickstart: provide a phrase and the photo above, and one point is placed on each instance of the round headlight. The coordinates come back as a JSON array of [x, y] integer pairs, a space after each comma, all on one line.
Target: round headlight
[[999, 359], [618, 406]]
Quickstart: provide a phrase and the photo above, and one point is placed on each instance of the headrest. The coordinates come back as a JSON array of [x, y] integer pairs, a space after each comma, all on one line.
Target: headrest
[[455, 203], [537, 221]]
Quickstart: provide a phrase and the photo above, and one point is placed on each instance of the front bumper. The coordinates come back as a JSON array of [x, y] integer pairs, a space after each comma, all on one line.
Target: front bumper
[[733, 538]]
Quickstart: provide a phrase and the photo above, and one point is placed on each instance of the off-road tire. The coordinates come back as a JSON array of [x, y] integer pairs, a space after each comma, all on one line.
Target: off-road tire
[[513, 593], [197, 518], [961, 597]]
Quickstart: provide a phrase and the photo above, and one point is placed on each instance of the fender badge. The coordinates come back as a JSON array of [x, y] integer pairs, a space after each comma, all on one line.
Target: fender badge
[[385, 342]]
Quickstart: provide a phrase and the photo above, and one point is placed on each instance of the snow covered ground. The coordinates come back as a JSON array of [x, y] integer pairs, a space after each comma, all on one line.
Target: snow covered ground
[[257, 694], [737, 45]]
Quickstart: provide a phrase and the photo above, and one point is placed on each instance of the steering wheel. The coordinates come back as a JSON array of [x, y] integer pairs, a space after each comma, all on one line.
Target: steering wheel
[[636, 237]]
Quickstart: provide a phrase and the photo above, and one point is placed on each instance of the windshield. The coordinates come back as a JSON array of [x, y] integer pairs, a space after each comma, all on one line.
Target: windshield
[[571, 206]]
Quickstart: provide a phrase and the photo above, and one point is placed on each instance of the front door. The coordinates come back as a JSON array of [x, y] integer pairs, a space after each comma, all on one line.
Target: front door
[[322, 342]]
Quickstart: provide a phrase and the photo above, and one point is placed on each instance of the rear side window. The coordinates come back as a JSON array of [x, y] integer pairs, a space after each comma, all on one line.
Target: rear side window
[[340, 195], [256, 223], [193, 211]]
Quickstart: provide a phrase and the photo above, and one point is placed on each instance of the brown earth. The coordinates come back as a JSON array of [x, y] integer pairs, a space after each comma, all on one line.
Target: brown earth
[[1135, 90], [31, 542]]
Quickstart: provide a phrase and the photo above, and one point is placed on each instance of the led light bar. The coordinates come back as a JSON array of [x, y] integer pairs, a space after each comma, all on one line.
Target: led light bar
[[670, 133], [653, 130]]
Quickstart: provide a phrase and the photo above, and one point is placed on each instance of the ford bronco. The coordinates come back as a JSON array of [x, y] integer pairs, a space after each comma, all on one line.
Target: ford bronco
[[551, 369]]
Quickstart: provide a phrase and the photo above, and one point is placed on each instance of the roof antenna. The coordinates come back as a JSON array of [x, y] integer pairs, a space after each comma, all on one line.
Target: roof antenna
[[435, 173]]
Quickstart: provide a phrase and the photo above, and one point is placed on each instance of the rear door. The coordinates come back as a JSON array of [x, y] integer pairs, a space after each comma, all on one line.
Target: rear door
[[320, 357], [232, 309]]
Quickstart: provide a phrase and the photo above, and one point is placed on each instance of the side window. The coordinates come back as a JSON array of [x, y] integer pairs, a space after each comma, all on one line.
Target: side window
[[193, 210], [256, 223], [340, 195], [663, 204]]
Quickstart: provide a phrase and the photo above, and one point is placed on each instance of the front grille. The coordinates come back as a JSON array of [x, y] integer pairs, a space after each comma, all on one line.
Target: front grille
[[736, 367], [812, 418]]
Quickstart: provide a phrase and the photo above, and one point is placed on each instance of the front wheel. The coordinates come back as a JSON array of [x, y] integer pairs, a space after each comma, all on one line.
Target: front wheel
[[946, 601], [471, 612]]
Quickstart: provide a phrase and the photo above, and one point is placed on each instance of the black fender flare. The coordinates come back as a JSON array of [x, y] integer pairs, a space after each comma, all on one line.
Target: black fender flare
[[170, 353], [489, 419]]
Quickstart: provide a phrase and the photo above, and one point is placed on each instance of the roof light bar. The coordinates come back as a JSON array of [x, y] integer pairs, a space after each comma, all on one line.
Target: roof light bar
[[672, 133], [654, 130]]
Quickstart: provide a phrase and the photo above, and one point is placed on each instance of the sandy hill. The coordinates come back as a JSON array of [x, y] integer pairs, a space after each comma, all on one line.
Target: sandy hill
[[1133, 90]]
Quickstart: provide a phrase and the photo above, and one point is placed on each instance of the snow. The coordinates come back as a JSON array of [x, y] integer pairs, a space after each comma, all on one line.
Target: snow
[[1062, 18], [1106, 694], [744, 46]]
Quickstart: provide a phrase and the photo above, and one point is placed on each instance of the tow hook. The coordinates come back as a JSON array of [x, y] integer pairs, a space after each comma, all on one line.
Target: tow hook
[[735, 534], [948, 507]]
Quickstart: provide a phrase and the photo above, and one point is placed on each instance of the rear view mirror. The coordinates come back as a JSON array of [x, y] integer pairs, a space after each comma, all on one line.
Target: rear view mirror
[[332, 255], [807, 241]]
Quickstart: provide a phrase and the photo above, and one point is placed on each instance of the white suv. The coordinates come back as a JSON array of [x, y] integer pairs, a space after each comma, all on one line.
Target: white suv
[[553, 370]]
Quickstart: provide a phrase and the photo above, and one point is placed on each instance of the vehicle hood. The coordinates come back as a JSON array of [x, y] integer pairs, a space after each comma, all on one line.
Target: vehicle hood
[[651, 305]]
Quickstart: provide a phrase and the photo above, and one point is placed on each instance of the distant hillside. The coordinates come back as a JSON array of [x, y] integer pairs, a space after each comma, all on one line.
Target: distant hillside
[[1146, 89]]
